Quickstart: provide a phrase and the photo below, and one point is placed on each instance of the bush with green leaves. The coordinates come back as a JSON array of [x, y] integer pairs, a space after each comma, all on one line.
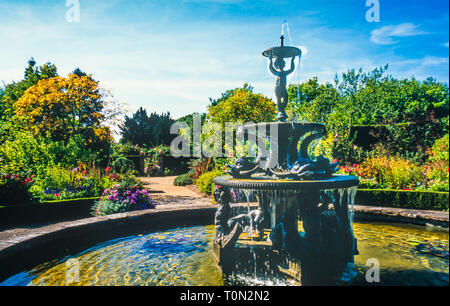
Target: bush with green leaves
[[26, 153], [440, 150], [184, 179], [119, 161], [59, 183], [205, 182]]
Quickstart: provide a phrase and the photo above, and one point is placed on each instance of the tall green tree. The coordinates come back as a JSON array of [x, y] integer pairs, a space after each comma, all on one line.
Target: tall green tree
[[15, 90], [147, 130]]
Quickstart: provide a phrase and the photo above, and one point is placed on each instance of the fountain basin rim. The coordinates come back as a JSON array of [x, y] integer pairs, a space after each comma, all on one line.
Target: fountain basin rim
[[337, 181], [282, 51]]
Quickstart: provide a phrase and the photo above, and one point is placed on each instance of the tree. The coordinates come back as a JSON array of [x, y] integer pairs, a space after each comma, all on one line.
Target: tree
[[12, 92], [229, 93], [64, 107], [32, 76], [242, 105], [142, 129], [316, 101], [410, 114]]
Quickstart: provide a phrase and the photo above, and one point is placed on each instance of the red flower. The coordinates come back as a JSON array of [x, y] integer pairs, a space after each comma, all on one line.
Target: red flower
[[355, 166], [57, 195], [84, 172], [108, 169], [335, 160]]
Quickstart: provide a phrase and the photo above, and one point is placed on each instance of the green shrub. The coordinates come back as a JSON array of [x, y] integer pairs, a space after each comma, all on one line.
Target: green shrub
[[411, 199], [58, 183], [184, 180], [439, 151], [25, 152], [205, 181]]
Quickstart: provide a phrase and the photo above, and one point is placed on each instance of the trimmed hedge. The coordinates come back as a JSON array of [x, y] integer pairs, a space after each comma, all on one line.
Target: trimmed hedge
[[68, 200], [412, 199], [46, 212]]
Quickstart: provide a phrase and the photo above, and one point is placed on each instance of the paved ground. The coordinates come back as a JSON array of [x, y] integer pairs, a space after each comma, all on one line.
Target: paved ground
[[164, 192]]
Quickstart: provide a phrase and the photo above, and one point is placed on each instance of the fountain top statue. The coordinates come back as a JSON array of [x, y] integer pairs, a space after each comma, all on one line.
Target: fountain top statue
[[289, 156], [277, 69]]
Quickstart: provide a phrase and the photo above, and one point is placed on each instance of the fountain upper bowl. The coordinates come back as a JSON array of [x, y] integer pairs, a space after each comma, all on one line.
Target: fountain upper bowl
[[282, 52]]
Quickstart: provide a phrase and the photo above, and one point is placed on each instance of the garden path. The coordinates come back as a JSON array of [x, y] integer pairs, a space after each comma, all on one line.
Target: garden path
[[163, 191]]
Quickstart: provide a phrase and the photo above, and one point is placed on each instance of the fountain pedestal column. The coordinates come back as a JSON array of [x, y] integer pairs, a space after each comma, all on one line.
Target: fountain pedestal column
[[319, 254]]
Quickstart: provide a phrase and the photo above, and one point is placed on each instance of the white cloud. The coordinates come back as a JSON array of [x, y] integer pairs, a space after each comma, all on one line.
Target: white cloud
[[176, 65], [385, 35]]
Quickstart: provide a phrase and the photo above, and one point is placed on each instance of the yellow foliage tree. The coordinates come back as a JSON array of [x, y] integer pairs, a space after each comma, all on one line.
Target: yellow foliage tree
[[243, 106], [63, 108]]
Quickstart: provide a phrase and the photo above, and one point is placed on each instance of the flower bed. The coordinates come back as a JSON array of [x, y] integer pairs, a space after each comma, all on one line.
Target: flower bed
[[122, 198], [400, 174]]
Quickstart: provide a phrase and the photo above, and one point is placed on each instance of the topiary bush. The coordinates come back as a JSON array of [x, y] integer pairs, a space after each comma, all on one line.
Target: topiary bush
[[205, 181], [184, 179]]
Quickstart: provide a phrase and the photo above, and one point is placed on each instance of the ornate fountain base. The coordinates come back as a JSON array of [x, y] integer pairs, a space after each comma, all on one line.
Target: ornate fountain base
[[267, 240]]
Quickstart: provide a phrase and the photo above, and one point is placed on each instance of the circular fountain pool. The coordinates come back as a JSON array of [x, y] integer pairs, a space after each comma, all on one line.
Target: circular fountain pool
[[408, 255]]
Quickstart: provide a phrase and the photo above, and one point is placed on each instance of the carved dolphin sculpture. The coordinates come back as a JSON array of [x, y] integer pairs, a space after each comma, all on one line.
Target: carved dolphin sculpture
[[243, 168], [301, 169]]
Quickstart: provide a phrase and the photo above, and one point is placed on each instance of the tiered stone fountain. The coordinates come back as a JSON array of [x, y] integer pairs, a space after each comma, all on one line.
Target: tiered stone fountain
[[290, 186]]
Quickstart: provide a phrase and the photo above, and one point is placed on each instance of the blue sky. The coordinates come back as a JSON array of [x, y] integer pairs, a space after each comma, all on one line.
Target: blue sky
[[172, 55]]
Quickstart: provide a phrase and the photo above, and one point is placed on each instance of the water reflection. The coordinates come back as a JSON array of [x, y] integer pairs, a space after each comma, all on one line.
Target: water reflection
[[408, 255]]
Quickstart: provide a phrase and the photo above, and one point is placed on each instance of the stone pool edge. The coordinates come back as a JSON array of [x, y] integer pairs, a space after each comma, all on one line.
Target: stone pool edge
[[32, 246]]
